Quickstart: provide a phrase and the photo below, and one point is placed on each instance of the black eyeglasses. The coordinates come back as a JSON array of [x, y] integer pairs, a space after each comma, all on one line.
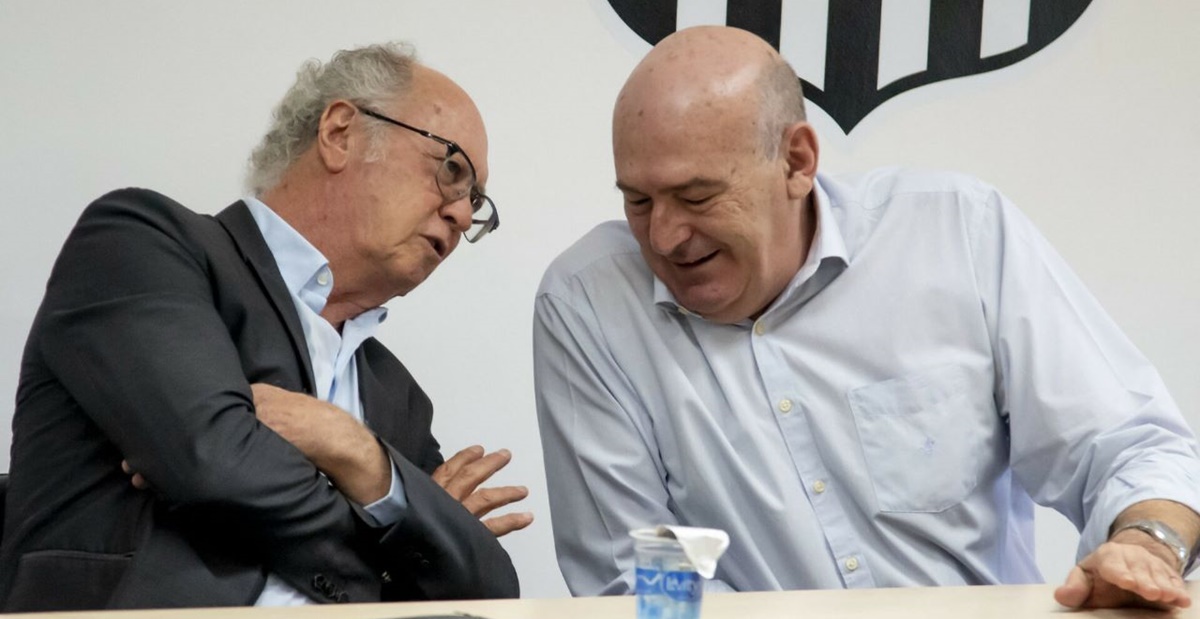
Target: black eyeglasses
[[456, 180]]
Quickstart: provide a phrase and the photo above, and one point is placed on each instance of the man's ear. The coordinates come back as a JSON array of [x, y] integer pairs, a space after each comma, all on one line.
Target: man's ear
[[800, 153], [334, 138]]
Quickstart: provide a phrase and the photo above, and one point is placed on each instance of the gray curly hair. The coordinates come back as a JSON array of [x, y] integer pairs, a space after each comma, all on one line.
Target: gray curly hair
[[369, 76]]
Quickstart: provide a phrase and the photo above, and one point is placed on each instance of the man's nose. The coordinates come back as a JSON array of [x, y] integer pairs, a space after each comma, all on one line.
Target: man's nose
[[669, 229], [458, 213]]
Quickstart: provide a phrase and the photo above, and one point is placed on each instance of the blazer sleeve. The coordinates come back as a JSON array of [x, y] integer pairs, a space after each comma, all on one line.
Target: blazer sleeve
[[131, 331], [438, 549]]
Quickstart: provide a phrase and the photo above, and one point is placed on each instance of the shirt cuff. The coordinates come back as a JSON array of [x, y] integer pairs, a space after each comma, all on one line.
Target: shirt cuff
[[1134, 487], [387, 511]]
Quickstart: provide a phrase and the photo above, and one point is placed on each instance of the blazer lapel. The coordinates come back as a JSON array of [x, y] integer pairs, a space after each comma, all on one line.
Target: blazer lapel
[[380, 411], [245, 233]]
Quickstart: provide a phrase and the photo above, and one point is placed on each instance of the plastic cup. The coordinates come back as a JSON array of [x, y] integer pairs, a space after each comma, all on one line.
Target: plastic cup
[[668, 586]]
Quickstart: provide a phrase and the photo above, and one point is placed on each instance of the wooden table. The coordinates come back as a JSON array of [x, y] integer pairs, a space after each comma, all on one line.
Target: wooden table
[[1007, 602]]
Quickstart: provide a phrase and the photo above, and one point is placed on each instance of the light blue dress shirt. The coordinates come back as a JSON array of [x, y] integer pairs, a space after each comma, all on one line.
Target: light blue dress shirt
[[932, 369], [307, 276]]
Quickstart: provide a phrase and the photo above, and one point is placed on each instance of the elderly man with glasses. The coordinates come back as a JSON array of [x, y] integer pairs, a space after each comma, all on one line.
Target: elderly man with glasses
[[204, 417]]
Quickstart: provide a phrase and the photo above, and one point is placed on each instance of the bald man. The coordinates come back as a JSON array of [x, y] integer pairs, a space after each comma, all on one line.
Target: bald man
[[866, 381], [204, 417]]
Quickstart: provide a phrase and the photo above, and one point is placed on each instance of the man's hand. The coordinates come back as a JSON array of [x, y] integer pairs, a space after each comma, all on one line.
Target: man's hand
[[341, 447], [461, 476], [1131, 569]]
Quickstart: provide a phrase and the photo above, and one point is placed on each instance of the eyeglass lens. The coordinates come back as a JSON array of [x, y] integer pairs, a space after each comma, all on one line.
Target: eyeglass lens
[[456, 179], [484, 219]]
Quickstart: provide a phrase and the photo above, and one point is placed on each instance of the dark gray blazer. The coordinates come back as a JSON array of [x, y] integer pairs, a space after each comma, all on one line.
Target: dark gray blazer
[[155, 322]]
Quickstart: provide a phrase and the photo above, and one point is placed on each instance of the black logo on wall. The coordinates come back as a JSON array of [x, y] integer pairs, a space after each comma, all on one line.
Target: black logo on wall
[[853, 43]]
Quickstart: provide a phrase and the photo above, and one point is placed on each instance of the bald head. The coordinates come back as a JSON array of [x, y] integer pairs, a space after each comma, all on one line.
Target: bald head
[[712, 75], [717, 166]]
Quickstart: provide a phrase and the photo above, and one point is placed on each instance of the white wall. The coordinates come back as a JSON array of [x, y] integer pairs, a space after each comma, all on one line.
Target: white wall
[[1096, 137]]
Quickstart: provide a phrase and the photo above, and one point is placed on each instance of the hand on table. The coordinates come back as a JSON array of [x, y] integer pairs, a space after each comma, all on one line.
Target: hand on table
[[461, 476], [1131, 569]]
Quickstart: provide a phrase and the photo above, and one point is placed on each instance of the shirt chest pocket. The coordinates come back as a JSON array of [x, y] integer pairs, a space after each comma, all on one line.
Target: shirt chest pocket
[[922, 438]]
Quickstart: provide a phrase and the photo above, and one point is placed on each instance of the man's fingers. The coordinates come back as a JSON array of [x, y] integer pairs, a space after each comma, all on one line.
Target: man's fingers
[[263, 390], [261, 393], [503, 525], [1157, 582], [1143, 578], [1176, 589], [1119, 575], [1075, 591], [136, 479], [484, 500], [1145, 583], [450, 468], [468, 478], [1111, 567], [461, 475]]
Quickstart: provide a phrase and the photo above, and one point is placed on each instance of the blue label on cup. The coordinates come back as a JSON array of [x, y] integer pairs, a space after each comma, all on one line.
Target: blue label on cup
[[679, 586]]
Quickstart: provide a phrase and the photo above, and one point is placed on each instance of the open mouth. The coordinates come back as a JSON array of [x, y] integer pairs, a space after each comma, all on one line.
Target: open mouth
[[439, 247]]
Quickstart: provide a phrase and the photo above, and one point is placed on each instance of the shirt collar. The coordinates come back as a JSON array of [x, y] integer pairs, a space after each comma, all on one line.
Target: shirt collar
[[828, 243], [304, 268]]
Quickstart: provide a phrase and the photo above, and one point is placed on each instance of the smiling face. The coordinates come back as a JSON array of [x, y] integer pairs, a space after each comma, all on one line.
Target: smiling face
[[400, 225], [722, 224]]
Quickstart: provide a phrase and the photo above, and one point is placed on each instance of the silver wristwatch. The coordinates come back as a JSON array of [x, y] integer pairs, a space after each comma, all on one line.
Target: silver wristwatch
[[1166, 536]]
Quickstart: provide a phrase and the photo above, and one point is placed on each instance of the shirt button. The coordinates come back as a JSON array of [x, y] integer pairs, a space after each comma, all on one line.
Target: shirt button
[[323, 277], [759, 328], [851, 564], [785, 406], [818, 486]]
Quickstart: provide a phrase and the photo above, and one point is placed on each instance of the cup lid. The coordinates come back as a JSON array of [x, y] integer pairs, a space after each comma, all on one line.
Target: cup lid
[[702, 546]]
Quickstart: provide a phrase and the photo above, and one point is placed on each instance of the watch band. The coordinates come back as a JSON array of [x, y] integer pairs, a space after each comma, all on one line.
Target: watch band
[[1166, 536]]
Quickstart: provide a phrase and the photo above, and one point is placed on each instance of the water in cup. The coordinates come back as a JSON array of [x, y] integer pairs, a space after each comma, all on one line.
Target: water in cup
[[668, 586]]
